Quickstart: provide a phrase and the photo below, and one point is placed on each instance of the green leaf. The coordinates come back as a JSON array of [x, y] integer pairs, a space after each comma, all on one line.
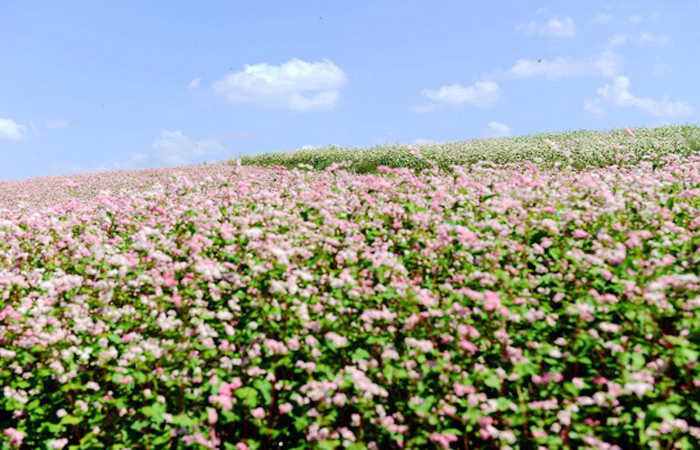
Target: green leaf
[[183, 420], [689, 354], [265, 388], [139, 425], [663, 412], [493, 381], [248, 395], [328, 445], [70, 420], [360, 354]]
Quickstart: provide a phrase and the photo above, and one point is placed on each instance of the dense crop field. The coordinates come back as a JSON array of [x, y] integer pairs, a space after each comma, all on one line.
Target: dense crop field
[[577, 150], [236, 307]]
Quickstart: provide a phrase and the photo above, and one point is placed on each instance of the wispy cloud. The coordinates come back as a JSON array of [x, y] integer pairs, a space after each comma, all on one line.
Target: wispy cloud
[[497, 129], [602, 18], [174, 148], [11, 130], [635, 19], [482, 94], [618, 95], [194, 84], [57, 124], [171, 148], [639, 39], [295, 85], [557, 27], [607, 64]]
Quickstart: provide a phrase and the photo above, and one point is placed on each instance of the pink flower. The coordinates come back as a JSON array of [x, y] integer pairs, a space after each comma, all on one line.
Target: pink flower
[[461, 389], [539, 434], [16, 436], [241, 446], [449, 410], [126, 380], [258, 413], [468, 346], [228, 388], [285, 408], [212, 416], [606, 274], [492, 301], [443, 440], [628, 131], [59, 443], [293, 344]]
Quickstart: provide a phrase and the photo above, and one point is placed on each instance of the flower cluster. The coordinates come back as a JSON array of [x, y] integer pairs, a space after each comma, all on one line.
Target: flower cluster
[[265, 308]]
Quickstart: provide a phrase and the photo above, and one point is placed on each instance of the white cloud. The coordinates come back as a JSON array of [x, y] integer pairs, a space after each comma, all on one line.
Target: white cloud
[[57, 124], [295, 85], [171, 149], [175, 148], [194, 83], [617, 41], [11, 130], [496, 129], [554, 27], [607, 64], [602, 18], [617, 95], [483, 94], [635, 19], [640, 39], [644, 38]]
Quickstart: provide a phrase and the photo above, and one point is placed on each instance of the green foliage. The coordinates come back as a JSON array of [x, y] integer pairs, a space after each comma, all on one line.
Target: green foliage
[[577, 150]]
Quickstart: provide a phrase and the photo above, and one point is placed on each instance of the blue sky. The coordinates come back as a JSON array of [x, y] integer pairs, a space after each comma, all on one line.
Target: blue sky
[[92, 85]]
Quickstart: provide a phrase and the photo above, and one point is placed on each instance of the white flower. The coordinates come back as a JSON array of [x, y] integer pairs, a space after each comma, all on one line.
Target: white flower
[[638, 387], [59, 443], [224, 315]]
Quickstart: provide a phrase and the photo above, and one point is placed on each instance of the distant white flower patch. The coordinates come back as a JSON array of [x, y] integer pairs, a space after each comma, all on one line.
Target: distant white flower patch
[[617, 95], [295, 85], [309, 147]]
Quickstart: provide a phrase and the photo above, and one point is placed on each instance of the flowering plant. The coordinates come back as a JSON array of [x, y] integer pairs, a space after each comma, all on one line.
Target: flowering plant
[[488, 308]]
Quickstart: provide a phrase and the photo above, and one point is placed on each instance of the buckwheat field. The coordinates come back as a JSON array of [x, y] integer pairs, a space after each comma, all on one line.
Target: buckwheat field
[[525, 293]]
